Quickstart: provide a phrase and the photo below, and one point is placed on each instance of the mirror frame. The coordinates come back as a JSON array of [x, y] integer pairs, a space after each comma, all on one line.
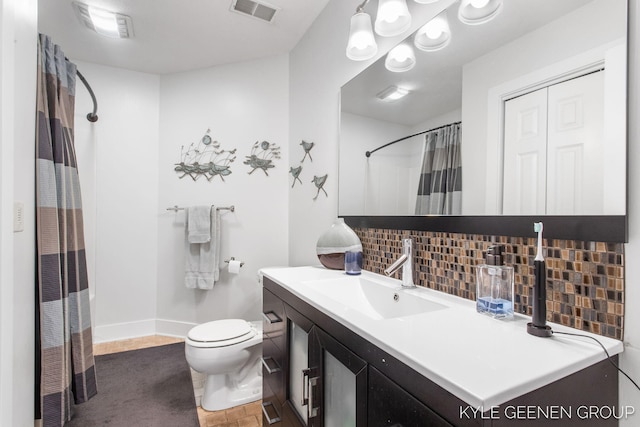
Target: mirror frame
[[597, 228]]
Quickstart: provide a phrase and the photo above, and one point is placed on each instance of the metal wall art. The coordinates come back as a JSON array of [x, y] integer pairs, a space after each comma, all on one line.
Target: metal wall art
[[262, 155], [205, 158], [307, 146], [319, 182], [295, 172]]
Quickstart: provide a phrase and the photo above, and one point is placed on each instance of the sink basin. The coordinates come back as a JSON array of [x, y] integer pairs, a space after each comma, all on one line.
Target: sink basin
[[374, 299]]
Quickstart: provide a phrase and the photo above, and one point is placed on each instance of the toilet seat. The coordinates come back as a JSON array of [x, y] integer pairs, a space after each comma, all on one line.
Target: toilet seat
[[221, 333]]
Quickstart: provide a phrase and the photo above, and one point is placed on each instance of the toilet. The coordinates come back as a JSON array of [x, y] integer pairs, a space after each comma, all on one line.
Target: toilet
[[228, 351]]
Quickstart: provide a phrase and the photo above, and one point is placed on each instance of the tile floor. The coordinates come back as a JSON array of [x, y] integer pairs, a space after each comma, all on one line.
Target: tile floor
[[249, 415]]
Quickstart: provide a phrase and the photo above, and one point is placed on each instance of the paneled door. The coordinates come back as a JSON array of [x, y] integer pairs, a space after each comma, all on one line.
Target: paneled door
[[553, 149], [525, 154], [575, 149]]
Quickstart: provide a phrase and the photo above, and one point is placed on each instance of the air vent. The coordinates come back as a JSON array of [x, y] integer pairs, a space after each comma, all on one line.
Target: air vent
[[261, 11]]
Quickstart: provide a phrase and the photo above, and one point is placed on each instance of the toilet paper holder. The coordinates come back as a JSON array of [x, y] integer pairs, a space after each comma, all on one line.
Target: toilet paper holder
[[233, 259]]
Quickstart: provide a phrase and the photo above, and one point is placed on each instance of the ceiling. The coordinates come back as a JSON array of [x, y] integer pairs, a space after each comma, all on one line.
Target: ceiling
[[178, 35]]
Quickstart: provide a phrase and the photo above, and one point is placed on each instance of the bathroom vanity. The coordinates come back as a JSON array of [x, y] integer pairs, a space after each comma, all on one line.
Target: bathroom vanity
[[358, 350]]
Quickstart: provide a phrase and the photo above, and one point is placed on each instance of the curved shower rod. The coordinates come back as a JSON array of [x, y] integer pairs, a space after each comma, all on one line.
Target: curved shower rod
[[92, 117], [369, 153]]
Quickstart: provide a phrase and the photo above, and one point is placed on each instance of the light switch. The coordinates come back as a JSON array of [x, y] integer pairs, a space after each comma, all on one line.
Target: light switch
[[18, 216]]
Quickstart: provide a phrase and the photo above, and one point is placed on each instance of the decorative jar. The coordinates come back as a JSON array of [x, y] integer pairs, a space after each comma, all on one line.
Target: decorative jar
[[333, 243]]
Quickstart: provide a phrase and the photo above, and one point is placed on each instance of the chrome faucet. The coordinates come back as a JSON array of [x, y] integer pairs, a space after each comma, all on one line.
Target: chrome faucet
[[406, 262]]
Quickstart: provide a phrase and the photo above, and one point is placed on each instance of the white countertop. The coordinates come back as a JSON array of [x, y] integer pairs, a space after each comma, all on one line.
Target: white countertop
[[483, 361]]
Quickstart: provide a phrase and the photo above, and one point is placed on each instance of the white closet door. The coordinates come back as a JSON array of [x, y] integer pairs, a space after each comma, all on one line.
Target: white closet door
[[575, 149], [525, 145]]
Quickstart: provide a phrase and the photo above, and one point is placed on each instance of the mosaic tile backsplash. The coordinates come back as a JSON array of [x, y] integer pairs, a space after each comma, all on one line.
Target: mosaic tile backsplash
[[585, 280]]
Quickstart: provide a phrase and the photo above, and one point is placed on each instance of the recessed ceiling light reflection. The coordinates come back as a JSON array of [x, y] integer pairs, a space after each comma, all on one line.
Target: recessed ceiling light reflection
[[392, 93]]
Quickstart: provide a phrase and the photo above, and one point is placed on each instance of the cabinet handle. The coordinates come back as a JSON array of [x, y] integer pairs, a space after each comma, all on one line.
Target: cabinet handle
[[305, 386], [265, 363], [311, 410], [270, 420], [308, 384], [273, 319]]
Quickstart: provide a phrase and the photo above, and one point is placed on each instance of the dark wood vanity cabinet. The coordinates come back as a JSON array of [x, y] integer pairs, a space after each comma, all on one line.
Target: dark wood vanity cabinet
[[390, 405], [308, 376], [318, 372], [277, 406], [337, 386], [341, 382]]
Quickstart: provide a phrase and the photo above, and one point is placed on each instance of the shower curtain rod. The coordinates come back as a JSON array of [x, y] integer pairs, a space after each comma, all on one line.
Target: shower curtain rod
[[92, 117], [369, 153]]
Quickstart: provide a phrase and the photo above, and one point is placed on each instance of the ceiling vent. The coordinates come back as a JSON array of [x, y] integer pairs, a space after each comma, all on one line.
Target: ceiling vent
[[261, 11]]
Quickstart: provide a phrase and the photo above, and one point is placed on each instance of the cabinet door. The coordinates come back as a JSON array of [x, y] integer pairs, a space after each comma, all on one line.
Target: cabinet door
[[297, 362], [337, 384], [273, 356], [390, 405], [285, 363]]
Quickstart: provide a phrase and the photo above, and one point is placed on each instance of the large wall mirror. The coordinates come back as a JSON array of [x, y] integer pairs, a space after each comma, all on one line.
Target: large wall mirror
[[528, 113]]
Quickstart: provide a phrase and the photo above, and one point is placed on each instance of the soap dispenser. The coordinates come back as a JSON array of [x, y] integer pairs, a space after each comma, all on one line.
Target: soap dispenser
[[494, 286]]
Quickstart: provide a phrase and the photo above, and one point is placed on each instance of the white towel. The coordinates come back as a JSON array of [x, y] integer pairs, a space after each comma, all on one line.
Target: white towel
[[202, 260], [199, 223]]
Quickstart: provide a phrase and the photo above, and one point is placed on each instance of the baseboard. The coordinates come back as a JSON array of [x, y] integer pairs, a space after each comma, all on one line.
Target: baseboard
[[142, 328], [123, 331], [173, 328]]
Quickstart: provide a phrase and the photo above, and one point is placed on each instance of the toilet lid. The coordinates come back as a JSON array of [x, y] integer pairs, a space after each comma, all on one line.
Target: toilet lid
[[222, 330]]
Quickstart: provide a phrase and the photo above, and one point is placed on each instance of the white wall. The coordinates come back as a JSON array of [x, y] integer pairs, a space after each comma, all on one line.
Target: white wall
[[442, 120], [359, 134], [126, 162], [118, 166], [18, 38], [241, 103]]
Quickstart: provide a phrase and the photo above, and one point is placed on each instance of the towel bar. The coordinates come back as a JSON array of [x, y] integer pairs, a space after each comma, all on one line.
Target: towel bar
[[231, 208]]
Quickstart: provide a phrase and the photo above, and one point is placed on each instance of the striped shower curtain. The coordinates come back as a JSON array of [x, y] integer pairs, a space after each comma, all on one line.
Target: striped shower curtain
[[64, 363], [440, 186]]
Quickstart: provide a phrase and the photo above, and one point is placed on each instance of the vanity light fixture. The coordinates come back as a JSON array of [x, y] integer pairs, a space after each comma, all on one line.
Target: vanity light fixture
[[434, 35], [393, 18], [104, 22], [400, 59], [362, 44], [392, 93], [475, 12]]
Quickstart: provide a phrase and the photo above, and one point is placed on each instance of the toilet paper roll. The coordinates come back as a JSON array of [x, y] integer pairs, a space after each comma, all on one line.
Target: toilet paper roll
[[234, 267]]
